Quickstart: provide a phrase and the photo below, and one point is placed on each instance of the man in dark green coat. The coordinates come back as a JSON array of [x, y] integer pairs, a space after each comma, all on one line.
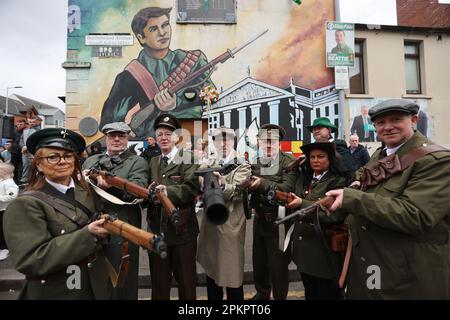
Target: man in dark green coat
[[400, 225], [270, 263], [322, 128], [173, 173], [121, 162]]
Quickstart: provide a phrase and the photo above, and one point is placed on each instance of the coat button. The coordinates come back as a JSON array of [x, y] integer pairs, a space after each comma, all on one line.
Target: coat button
[[300, 238], [89, 265], [260, 205], [364, 228], [300, 222], [63, 231], [363, 259], [163, 175], [42, 281]]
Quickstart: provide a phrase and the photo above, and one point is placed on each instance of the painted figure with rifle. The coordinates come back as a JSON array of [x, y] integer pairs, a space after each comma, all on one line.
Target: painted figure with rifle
[[119, 161], [173, 173]]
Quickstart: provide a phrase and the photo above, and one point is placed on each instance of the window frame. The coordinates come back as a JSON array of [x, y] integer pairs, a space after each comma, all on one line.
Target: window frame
[[416, 57], [360, 56]]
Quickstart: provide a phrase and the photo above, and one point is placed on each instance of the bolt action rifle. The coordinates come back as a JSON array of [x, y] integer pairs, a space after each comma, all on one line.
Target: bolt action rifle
[[148, 240], [151, 195], [325, 203], [150, 111]]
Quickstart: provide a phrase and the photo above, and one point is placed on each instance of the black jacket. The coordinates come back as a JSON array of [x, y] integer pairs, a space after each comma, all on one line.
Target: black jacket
[[360, 156]]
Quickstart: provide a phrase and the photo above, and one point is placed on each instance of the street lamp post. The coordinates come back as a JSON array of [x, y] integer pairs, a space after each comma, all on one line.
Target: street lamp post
[[7, 97]]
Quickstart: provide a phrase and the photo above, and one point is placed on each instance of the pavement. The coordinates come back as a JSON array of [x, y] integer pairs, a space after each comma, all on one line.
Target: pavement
[[11, 281]]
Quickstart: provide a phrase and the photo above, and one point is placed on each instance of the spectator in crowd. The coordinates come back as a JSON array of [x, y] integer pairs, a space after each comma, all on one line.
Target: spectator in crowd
[[16, 153], [33, 126], [6, 154], [8, 192], [360, 155], [152, 149]]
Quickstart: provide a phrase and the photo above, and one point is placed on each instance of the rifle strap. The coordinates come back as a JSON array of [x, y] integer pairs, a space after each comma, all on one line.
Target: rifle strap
[[118, 279], [69, 214], [111, 198], [348, 254], [143, 77], [163, 219]]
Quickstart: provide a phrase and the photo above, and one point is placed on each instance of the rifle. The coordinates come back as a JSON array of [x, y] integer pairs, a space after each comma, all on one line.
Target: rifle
[[278, 197], [148, 240], [325, 202], [140, 192], [149, 111], [242, 188]]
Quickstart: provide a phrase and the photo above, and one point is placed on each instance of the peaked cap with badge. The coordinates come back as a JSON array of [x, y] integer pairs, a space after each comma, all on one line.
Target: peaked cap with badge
[[271, 131], [56, 138], [322, 122], [167, 120], [393, 105]]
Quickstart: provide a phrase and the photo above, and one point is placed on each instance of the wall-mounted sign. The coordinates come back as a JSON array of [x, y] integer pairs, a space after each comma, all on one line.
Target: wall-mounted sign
[[341, 79], [109, 40], [340, 44], [106, 52], [206, 11]]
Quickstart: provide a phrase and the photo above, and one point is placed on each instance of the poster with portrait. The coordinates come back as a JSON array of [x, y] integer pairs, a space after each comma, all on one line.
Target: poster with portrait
[[340, 47]]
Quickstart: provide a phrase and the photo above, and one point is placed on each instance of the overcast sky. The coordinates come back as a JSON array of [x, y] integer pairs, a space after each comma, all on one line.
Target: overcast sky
[[33, 46]]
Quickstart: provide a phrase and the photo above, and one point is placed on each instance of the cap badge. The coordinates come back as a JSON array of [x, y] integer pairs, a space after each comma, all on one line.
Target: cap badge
[[64, 133], [166, 119]]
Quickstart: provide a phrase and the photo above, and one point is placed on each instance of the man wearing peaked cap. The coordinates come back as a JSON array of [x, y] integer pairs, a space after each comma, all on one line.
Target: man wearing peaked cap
[[393, 105], [56, 138], [122, 162], [399, 223], [173, 172], [270, 263], [167, 120]]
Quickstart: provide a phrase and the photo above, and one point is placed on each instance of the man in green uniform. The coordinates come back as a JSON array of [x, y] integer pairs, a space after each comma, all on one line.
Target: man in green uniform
[[149, 77], [322, 128], [400, 225], [173, 173], [120, 161], [270, 263]]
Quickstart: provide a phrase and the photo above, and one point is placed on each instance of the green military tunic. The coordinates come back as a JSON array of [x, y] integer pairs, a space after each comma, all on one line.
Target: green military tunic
[[308, 252], [46, 246], [270, 264], [401, 227], [134, 169], [182, 187]]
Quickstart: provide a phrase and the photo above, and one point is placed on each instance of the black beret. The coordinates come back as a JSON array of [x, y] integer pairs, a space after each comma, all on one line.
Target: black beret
[[268, 131], [56, 138], [167, 120], [399, 105]]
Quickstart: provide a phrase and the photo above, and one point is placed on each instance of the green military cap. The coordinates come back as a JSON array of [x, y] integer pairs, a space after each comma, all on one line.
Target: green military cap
[[116, 127], [328, 147], [271, 131], [167, 120], [392, 105], [223, 131], [322, 122], [56, 138]]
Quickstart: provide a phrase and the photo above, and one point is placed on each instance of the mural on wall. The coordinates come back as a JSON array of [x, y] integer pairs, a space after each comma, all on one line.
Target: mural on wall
[[280, 78], [361, 125]]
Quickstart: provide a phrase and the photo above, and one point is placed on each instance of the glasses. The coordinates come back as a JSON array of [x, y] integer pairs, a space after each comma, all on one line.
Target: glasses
[[56, 158]]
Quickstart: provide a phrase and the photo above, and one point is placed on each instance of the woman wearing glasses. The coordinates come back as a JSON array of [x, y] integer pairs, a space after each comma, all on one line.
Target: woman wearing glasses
[[48, 228]]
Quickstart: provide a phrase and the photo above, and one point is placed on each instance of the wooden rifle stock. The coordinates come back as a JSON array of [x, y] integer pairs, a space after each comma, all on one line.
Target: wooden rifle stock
[[170, 210], [148, 240], [279, 197], [325, 202]]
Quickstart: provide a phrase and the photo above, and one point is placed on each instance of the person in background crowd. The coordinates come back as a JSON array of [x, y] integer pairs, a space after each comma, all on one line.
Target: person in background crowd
[[95, 148], [48, 229], [16, 153], [6, 154], [152, 149], [360, 155], [8, 192], [33, 126]]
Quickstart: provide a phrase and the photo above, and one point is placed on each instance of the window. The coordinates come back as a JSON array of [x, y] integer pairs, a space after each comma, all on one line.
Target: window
[[356, 74], [336, 109], [317, 113], [214, 121], [412, 67], [327, 111]]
